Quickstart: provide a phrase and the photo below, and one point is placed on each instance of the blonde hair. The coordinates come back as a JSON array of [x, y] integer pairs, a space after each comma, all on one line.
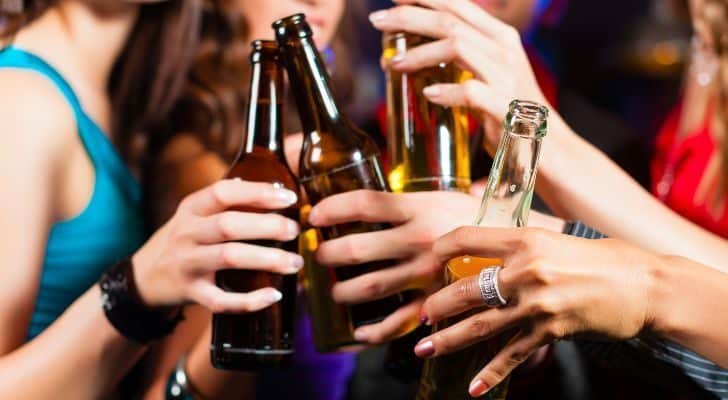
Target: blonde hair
[[715, 15]]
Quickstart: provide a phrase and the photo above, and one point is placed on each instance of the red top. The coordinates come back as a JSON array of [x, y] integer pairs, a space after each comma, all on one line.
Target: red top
[[677, 168]]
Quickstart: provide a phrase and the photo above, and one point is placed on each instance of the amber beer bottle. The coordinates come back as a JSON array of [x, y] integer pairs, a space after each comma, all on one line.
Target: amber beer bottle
[[336, 156], [263, 338], [428, 150], [428, 143], [506, 203]]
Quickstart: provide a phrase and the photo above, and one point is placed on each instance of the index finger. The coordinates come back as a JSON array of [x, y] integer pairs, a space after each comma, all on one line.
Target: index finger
[[478, 241], [229, 193], [467, 11], [360, 205]]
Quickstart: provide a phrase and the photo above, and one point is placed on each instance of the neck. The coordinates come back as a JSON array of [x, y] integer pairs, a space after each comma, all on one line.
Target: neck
[[94, 35]]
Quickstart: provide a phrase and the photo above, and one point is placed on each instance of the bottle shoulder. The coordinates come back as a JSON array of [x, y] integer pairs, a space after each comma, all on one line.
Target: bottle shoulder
[[262, 165]]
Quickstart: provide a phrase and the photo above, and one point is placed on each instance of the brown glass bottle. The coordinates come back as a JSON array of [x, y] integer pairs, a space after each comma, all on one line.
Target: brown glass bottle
[[336, 156], [263, 338]]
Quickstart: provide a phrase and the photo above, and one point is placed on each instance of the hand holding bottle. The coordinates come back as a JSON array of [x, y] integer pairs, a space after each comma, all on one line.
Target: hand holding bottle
[[555, 286], [476, 41], [418, 219], [178, 263]]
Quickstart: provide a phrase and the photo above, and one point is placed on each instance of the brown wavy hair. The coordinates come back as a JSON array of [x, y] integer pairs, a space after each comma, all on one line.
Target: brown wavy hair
[[149, 74], [213, 104], [715, 14]]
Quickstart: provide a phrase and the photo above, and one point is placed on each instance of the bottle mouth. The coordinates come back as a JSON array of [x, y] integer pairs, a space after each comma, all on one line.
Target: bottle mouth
[[263, 48], [292, 26], [527, 119]]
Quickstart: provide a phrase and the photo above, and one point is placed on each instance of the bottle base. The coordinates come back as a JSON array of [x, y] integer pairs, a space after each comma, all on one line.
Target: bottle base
[[236, 359]]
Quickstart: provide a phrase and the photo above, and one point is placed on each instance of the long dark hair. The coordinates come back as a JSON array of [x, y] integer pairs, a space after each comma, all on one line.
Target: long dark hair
[[212, 106], [148, 75]]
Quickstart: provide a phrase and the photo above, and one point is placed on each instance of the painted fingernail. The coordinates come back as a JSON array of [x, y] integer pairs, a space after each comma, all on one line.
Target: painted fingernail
[[274, 296], [425, 349], [296, 262], [377, 16], [477, 388], [423, 318], [432, 91], [286, 196], [361, 334]]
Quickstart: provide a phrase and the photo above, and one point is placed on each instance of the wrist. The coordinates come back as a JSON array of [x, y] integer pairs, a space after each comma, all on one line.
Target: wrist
[[662, 315], [125, 310]]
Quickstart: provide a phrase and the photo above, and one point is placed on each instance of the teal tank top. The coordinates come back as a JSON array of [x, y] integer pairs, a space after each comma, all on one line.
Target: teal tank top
[[110, 227]]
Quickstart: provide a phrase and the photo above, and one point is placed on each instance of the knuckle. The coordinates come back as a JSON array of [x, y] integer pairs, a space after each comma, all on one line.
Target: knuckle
[[544, 306], [219, 193], [553, 331], [353, 253], [462, 236], [470, 91], [480, 326], [228, 255], [466, 290], [511, 34], [226, 226], [442, 342], [371, 287], [449, 25]]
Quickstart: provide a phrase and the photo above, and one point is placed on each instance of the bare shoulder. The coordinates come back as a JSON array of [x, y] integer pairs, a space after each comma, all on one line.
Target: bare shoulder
[[34, 113]]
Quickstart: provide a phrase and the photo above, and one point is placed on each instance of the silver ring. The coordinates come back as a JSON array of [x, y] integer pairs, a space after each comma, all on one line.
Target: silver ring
[[489, 291]]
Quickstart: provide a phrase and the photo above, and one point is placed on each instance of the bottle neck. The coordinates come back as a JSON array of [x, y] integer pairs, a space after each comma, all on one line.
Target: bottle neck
[[265, 120], [507, 198], [311, 85]]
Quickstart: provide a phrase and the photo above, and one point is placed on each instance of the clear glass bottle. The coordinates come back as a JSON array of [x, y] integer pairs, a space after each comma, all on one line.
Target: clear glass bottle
[[506, 203]]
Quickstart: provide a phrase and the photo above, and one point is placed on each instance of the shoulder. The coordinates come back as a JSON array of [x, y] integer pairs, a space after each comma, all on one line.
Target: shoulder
[[35, 115]]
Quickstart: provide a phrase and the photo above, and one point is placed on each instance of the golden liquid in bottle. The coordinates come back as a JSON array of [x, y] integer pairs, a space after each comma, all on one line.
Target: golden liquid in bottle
[[331, 322], [448, 376], [428, 143]]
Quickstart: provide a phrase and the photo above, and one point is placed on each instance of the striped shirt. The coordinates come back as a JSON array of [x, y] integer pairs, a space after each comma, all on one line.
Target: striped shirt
[[703, 372]]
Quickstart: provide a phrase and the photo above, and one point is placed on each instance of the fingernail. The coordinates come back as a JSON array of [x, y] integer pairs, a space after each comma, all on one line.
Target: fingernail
[[286, 196], [424, 349], [296, 262], [237, 179], [477, 388], [361, 335], [377, 16], [274, 296], [432, 91], [313, 216], [292, 229], [423, 318], [396, 59]]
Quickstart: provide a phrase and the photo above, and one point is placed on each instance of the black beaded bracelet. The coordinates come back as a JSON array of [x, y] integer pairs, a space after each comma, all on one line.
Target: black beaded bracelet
[[125, 310]]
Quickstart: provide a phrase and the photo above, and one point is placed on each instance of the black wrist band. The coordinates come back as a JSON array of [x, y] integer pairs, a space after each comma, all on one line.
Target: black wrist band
[[580, 229], [125, 310]]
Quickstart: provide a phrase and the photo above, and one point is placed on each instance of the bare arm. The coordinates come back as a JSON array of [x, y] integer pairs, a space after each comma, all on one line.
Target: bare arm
[[81, 352], [81, 339], [576, 179]]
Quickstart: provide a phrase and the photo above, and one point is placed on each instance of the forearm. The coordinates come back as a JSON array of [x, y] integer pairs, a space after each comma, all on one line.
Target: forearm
[[690, 307], [80, 356], [579, 182], [192, 340]]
